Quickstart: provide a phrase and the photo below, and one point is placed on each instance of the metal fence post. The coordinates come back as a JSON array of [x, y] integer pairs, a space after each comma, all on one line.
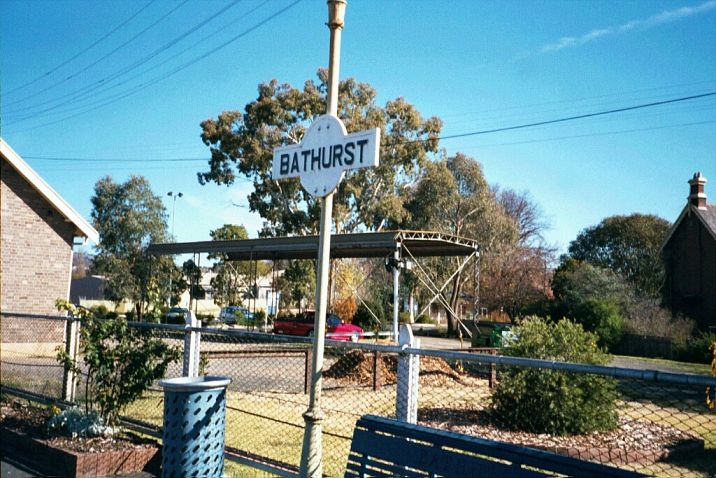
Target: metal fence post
[[72, 342], [377, 375], [192, 341], [406, 399]]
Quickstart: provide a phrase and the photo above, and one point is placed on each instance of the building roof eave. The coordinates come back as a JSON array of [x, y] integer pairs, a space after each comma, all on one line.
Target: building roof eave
[[82, 227]]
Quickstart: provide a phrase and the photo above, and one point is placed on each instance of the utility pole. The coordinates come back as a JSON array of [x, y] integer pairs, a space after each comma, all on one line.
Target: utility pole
[[312, 451], [174, 207]]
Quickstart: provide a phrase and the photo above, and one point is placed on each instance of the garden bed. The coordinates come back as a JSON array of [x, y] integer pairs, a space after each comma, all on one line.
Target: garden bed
[[26, 439], [634, 442]]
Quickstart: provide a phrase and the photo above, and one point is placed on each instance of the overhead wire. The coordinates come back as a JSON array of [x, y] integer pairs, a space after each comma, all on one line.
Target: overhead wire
[[565, 119], [124, 70], [583, 98], [139, 74], [494, 130], [176, 70], [82, 52], [108, 55]]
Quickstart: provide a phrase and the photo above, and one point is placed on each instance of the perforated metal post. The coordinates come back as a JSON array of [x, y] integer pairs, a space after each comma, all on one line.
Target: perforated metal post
[[192, 342], [406, 399], [194, 424]]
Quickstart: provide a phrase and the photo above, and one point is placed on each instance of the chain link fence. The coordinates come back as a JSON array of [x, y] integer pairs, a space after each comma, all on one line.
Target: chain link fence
[[661, 424]]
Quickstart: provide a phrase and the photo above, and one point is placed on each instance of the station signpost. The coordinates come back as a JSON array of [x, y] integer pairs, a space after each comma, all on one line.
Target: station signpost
[[320, 161]]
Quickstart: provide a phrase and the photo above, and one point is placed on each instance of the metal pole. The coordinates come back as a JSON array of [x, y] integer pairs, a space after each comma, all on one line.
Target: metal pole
[[312, 451], [174, 207], [396, 287]]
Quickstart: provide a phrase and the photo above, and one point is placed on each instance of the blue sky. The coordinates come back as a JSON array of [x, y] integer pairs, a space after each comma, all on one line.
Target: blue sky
[[116, 86]]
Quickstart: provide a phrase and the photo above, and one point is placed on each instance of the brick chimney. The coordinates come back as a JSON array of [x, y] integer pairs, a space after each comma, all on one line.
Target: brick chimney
[[697, 196]]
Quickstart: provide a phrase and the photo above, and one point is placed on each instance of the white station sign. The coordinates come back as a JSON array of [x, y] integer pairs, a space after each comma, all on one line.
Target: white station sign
[[323, 155]]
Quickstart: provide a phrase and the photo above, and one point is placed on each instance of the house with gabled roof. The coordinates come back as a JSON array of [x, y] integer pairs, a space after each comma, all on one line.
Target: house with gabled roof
[[38, 229], [689, 253]]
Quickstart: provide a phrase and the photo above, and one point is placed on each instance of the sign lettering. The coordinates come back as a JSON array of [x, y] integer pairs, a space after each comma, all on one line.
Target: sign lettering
[[324, 154]]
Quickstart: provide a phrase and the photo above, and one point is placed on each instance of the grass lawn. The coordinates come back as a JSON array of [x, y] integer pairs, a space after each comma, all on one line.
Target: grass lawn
[[663, 364]]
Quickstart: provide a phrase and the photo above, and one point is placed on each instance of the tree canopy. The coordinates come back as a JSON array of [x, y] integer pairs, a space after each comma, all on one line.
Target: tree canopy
[[230, 283], [242, 143], [452, 196], [128, 217], [628, 245]]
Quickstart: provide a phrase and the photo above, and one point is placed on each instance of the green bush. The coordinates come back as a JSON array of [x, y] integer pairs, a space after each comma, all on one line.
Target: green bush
[[552, 401], [696, 349], [602, 317], [404, 317], [365, 319], [424, 319], [100, 311], [118, 363]]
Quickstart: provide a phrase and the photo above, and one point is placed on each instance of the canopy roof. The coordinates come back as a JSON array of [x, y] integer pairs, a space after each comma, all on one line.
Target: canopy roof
[[369, 244]]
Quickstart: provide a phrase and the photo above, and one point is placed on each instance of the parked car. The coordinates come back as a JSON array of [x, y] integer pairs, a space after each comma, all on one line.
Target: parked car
[[176, 315], [303, 325], [230, 314]]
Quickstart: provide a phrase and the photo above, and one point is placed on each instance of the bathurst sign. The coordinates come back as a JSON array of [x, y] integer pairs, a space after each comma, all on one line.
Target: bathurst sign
[[324, 154]]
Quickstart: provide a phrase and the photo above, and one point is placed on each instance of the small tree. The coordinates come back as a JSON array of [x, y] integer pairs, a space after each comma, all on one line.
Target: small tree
[[346, 309], [552, 401], [119, 363]]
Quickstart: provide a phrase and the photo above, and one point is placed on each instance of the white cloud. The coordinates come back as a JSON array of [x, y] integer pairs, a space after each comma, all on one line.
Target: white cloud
[[639, 24]]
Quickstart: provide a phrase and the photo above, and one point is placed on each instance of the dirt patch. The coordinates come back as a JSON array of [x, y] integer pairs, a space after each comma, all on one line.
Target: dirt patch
[[356, 367], [31, 420], [633, 442]]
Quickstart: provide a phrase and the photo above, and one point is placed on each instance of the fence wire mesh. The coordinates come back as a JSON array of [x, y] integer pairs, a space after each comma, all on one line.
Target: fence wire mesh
[[660, 424], [28, 353]]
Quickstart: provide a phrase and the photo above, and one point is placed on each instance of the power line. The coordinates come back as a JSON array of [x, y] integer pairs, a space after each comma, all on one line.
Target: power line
[[589, 135], [119, 95], [543, 140], [77, 55], [568, 118], [185, 65], [584, 98], [124, 160], [82, 92], [115, 50]]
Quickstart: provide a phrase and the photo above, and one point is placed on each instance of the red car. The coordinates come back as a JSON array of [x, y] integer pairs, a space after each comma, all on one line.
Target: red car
[[303, 326]]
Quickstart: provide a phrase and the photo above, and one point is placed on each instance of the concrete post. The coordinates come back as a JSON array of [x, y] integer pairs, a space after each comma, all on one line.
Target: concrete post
[[192, 341], [406, 401], [72, 343], [396, 288]]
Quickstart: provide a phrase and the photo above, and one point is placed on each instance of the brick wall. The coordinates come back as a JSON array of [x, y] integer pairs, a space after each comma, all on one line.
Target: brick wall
[[36, 248]]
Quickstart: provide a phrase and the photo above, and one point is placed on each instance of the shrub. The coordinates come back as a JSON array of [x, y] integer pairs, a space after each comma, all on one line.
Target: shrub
[[365, 319], [259, 317], [424, 319], [76, 422], [644, 316], [404, 317], [118, 363], [100, 311], [346, 309], [603, 318], [696, 349], [552, 401]]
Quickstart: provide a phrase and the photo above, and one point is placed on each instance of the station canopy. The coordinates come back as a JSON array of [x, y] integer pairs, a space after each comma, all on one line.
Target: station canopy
[[368, 244]]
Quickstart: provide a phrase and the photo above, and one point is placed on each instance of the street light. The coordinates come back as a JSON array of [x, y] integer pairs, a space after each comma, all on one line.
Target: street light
[[174, 207]]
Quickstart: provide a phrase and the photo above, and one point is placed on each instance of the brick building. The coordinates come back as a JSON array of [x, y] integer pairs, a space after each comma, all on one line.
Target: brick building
[[690, 258], [37, 232]]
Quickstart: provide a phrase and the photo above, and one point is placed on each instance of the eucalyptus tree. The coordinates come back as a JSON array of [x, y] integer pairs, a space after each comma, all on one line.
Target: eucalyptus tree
[[242, 142], [128, 217], [452, 196]]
